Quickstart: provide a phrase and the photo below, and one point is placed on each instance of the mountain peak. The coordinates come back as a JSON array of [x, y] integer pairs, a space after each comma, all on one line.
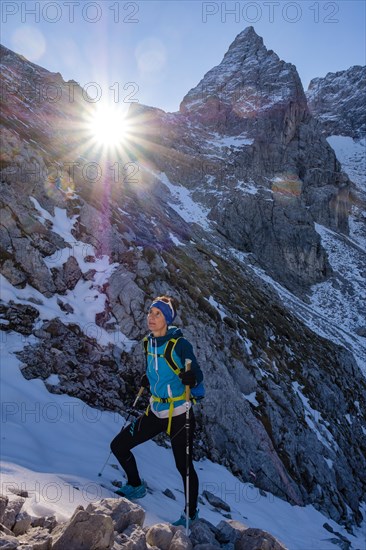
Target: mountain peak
[[249, 79], [248, 35]]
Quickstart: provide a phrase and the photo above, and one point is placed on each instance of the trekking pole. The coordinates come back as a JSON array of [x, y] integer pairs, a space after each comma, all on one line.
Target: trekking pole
[[129, 414], [188, 397]]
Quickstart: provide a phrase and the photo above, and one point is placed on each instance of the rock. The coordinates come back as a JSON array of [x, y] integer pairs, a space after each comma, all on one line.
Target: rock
[[132, 538], [361, 331], [8, 542], [71, 273], [18, 492], [216, 501], [31, 262], [85, 531], [5, 530], [205, 546], [15, 276], [37, 538], [255, 539], [160, 535], [126, 299], [48, 522], [338, 100], [203, 532], [123, 512], [180, 541], [229, 531], [22, 523], [3, 504], [64, 306], [20, 317], [12, 510]]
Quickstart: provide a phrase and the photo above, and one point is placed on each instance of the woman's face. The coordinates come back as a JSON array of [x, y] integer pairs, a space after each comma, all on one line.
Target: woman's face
[[156, 322]]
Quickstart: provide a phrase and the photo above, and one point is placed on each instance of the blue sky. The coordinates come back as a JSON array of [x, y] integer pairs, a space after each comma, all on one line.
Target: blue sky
[[155, 51]]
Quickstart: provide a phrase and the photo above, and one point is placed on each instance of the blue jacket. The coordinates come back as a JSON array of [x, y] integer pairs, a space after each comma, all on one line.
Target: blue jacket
[[163, 380]]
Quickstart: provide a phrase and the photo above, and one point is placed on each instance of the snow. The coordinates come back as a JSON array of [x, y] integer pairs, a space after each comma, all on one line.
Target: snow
[[314, 420], [334, 312], [352, 156], [65, 443], [63, 225], [86, 298], [230, 141], [219, 308], [251, 397], [53, 380], [247, 187], [175, 240], [188, 209]]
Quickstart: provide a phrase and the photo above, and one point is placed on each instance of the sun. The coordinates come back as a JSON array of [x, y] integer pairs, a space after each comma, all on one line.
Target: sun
[[108, 125]]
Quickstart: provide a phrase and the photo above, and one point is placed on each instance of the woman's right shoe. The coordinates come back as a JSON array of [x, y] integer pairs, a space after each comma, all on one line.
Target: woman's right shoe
[[130, 492]]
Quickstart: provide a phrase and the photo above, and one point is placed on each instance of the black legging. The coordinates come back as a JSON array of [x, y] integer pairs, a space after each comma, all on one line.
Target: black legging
[[146, 427]]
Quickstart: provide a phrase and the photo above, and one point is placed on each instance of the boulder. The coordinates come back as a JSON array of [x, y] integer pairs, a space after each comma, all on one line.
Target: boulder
[[160, 535], [3, 504], [84, 531], [122, 512], [203, 532], [180, 541], [256, 539], [22, 523], [229, 531], [216, 501], [8, 542], [12, 510]]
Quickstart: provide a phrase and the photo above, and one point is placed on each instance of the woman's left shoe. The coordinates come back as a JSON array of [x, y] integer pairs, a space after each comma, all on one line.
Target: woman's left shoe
[[130, 492], [182, 519]]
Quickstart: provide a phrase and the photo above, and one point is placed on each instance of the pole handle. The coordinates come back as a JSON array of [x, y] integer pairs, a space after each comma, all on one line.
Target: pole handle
[[188, 364], [138, 396]]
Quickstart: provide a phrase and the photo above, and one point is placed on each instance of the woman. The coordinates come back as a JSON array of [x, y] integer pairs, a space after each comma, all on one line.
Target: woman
[[167, 409]]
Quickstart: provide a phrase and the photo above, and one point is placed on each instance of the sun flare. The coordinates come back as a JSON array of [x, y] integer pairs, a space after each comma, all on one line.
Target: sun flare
[[108, 126]]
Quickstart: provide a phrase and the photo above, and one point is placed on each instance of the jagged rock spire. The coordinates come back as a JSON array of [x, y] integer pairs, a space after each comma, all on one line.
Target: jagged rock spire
[[250, 78]]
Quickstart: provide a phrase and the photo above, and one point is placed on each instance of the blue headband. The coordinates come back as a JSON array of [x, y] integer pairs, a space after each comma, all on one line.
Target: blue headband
[[166, 309]]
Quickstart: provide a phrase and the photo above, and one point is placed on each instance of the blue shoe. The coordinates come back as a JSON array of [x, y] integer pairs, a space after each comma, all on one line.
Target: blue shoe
[[182, 520], [130, 492]]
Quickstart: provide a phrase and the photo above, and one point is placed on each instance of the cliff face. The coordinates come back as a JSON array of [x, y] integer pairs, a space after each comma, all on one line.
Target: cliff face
[[246, 145], [338, 101], [206, 193]]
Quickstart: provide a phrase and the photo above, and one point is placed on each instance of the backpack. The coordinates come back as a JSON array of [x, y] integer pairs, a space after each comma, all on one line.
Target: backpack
[[198, 392]]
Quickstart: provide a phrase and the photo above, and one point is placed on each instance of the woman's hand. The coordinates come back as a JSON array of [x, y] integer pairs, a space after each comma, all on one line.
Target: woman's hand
[[188, 378]]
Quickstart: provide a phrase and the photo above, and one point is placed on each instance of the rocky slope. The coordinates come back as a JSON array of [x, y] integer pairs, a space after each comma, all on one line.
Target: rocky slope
[[338, 101], [253, 173], [116, 524]]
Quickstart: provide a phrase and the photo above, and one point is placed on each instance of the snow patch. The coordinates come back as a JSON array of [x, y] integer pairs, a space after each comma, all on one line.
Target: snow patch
[[314, 420], [219, 308], [251, 397], [53, 380], [175, 240], [351, 154], [188, 209]]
